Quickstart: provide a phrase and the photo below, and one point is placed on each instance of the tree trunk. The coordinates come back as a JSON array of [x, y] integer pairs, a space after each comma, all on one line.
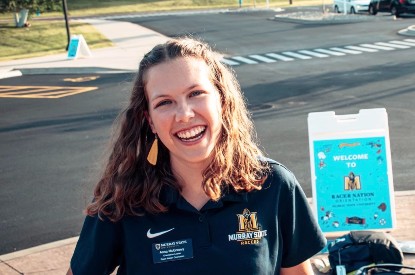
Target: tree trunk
[[20, 18]]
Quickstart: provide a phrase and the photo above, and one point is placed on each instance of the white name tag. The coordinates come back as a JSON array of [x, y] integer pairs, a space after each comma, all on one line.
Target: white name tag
[[340, 270]]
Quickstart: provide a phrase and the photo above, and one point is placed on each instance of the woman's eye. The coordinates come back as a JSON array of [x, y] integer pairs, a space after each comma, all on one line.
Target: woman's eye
[[195, 93], [162, 103]]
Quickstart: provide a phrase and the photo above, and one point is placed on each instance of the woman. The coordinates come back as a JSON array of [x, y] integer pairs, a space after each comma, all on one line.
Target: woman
[[185, 190]]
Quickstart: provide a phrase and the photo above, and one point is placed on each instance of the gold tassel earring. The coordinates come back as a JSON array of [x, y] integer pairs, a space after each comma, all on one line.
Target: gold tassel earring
[[152, 155]]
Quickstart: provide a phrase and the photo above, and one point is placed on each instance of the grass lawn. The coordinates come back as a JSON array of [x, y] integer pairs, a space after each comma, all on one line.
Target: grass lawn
[[43, 38]]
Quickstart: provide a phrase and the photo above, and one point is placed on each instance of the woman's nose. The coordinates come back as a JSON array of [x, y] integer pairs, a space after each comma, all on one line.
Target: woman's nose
[[184, 112]]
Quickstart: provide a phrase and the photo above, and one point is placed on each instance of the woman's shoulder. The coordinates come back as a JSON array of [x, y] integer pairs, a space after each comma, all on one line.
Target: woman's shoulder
[[277, 167], [279, 175]]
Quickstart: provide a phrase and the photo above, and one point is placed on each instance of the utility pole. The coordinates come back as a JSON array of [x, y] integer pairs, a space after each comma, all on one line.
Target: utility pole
[[68, 32]]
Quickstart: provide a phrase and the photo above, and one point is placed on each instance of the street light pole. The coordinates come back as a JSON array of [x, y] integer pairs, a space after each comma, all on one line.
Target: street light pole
[[68, 32]]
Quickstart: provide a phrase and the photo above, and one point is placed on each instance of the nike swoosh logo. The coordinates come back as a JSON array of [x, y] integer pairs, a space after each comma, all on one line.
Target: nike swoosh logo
[[153, 235]]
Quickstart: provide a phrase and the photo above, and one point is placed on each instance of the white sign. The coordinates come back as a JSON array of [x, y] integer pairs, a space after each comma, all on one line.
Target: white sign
[[78, 47], [351, 171]]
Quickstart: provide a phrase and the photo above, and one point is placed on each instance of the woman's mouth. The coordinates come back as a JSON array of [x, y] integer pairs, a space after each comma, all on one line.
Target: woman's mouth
[[191, 134]]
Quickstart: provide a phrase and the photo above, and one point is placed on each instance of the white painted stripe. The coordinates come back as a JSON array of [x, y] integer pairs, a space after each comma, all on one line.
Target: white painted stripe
[[320, 55], [329, 52], [377, 47], [297, 55], [392, 45], [229, 62], [279, 57], [244, 59], [262, 58], [403, 43], [362, 49], [410, 40], [345, 50], [8, 74]]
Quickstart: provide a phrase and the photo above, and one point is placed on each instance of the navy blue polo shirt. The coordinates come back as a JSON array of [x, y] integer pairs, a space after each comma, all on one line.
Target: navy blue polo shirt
[[254, 232]]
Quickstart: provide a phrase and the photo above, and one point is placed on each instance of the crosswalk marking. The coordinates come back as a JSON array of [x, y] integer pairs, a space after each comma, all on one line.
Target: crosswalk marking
[[320, 55], [279, 57], [297, 55], [402, 43], [345, 50], [392, 45], [263, 58], [229, 62], [244, 59], [362, 49], [377, 47], [41, 91], [330, 52]]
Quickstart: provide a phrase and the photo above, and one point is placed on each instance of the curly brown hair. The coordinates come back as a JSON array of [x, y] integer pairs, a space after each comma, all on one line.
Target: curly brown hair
[[131, 186]]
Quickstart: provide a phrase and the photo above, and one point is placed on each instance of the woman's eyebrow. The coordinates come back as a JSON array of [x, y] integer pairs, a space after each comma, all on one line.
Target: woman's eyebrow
[[184, 91]]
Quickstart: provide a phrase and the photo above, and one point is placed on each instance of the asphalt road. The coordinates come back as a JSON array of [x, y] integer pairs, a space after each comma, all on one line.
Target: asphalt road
[[51, 152], [52, 149], [282, 94]]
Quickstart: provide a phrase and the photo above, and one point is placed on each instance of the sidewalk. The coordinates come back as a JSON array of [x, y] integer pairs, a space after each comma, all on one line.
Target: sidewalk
[[131, 43]]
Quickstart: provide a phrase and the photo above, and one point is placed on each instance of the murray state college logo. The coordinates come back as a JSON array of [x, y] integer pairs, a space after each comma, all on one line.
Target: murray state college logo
[[249, 232]]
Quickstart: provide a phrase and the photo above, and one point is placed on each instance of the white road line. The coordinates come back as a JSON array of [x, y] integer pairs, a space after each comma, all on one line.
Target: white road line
[[297, 55], [262, 58], [244, 59], [229, 62], [377, 47], [410, 40], [320, 55], [279, 57], [403, 43], [329, 52], [345, 50], [363, 49], [9, 74], [392, 45]]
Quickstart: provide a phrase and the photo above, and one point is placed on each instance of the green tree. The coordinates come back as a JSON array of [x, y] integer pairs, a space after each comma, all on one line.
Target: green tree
[[22, 9]]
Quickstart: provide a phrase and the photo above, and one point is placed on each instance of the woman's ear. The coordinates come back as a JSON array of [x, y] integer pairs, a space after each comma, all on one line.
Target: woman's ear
[[150, 122]]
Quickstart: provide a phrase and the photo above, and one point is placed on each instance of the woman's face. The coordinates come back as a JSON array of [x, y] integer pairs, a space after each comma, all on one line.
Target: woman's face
[[184, 109]]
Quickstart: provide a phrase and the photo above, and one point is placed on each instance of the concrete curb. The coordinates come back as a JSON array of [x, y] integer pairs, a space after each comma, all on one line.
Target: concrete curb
[[321, 18], [409, 31], [36, 249], [67, 70], [73, 70]]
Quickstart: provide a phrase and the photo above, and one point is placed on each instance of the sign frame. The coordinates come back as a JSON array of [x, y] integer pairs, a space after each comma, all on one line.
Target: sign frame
[[351, 171]]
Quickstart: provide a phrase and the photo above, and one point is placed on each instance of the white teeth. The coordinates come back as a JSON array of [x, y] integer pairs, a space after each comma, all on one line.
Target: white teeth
[[191, 134]]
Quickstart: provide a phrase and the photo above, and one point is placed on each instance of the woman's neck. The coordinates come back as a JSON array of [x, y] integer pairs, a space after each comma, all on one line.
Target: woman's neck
[[191, 178]]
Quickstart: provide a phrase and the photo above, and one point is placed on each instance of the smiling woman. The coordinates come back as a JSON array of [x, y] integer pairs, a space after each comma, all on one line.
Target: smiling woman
[[186, 189], [184, 112]]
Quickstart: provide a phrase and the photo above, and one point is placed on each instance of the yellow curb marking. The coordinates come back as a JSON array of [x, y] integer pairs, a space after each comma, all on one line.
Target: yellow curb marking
[[41, 91], [81, 79]]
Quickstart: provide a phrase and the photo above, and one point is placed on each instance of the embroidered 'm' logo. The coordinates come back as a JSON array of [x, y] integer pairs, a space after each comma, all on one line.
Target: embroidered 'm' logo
[[247, 221], [249, 231]]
